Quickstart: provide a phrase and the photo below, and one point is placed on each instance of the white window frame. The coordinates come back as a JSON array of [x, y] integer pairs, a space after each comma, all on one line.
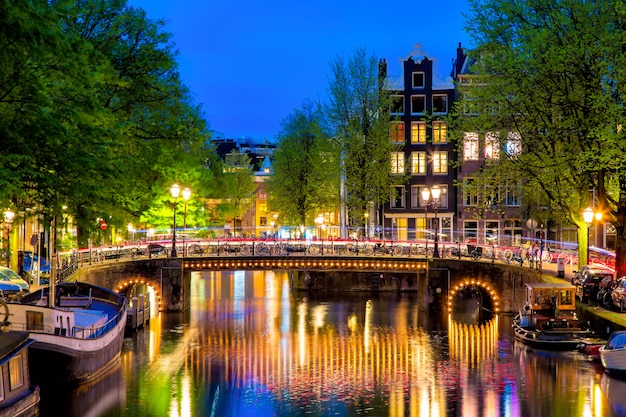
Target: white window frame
[[440, 162], [423, 98], [470, 146], [423, 74], [440, 132], [418, 132], [445, 100], [397, 163], [393, 200], [418, 160], [396, 98]]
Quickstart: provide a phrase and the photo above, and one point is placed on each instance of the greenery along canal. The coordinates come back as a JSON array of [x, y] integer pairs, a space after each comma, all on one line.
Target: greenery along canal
[[251, 346]]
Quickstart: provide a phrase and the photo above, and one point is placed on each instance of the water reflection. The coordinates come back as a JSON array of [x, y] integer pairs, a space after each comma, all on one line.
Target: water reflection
[[251, 347]]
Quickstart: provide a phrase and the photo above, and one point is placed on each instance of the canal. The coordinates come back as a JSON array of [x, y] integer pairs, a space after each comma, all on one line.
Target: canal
[[249, 346]]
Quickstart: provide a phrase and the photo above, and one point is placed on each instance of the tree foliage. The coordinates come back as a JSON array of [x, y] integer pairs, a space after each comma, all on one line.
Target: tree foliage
[[238, 185], [306, 168], [358, 112], [93, 115], [547, 78]]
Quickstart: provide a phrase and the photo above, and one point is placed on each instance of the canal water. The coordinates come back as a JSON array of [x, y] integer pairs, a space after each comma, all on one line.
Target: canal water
[[249, 346]]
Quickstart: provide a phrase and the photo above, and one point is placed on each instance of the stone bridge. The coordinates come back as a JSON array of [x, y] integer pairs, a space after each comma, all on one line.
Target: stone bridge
[[436, 281]]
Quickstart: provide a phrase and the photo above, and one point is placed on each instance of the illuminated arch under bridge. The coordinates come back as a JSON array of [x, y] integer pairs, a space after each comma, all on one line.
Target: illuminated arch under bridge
[[481, 286]]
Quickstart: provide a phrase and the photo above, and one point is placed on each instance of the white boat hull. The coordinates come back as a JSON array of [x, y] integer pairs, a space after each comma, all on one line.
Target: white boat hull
[[613, 360], [77, 341]]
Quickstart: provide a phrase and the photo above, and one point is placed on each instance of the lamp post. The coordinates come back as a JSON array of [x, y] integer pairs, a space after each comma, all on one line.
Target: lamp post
[[275, 224], [131, 231], [175, 190], [319, 221], [588, 217], [8, 220], [425, 198], [435, 192]]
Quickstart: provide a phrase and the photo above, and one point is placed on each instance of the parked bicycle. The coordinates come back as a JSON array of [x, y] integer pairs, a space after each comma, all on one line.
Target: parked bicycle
[[357, 248]]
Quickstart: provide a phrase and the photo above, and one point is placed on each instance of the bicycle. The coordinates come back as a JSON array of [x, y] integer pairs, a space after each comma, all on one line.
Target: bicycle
[[356, 248]]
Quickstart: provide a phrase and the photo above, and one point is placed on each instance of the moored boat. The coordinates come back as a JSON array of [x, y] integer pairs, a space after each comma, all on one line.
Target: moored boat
[[613, 354], [18, 397], [548, 318], [78, 332]]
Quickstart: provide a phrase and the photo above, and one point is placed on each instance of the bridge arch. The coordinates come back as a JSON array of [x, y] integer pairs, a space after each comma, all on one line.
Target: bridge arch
[[482, 286]]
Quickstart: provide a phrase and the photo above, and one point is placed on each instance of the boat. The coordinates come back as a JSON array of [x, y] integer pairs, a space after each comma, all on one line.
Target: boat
[[613, 354], [548, 318], [18, 397], [78, 331]]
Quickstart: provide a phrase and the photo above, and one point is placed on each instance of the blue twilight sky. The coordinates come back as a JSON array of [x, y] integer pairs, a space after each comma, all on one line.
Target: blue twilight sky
[[250, 63]]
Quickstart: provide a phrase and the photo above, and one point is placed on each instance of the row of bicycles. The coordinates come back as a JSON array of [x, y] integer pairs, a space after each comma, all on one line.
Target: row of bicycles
[[522, 255]]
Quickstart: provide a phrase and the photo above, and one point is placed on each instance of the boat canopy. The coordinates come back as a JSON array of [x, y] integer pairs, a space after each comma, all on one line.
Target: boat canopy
[[617, 340]]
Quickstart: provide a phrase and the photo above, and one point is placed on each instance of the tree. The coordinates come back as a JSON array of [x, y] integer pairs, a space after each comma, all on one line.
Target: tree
[[238, 185], [306, 168], [358, 111], [548, 86]]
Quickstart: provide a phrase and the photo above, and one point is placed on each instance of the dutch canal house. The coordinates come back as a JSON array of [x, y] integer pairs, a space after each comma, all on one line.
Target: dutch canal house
[[17, 396], [420, 103], [421, 108]]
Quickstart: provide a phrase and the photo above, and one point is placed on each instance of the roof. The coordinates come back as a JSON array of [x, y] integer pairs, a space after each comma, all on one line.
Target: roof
[[11, 343]]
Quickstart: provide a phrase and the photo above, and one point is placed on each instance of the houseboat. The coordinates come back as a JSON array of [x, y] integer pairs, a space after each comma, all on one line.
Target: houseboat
[[78, 333], [548, 318], [18, 397]]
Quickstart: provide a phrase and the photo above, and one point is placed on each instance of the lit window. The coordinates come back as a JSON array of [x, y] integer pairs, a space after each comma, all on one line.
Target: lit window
[[418, 132], [440, 103], [397, 104], [418, 163], [397, 196], [492, 150], [397, 162], [440, 132], [513, 145], [470, 146], [440, 162], [418, 104], [418, 80], [16, 375], [397, 132]]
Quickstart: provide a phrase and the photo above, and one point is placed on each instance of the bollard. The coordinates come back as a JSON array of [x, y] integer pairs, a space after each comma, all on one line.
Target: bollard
[[560, 267]]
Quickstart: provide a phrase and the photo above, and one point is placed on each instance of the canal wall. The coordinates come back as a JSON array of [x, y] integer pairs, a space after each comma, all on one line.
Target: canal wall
[[433, 285]]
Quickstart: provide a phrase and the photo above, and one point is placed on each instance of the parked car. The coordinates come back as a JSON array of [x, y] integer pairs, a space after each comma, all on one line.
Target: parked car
[[589, 280], [9, 289], [7, 275], [618, 293], [593, 269]]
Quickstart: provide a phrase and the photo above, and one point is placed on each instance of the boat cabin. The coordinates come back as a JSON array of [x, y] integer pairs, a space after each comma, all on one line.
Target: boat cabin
[[550, 306], [18, 397]]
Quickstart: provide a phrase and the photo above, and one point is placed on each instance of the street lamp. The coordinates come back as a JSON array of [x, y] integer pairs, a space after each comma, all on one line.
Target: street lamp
[[319, 220], [8, 220], [425, 198], [588, 217], [435, 192], [175, 190]]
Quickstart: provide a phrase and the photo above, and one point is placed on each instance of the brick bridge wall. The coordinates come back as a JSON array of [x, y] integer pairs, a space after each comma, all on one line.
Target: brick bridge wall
[[172, 284]]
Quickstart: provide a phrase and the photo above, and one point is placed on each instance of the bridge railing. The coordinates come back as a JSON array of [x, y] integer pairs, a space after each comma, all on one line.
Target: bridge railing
[[70, 261]]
